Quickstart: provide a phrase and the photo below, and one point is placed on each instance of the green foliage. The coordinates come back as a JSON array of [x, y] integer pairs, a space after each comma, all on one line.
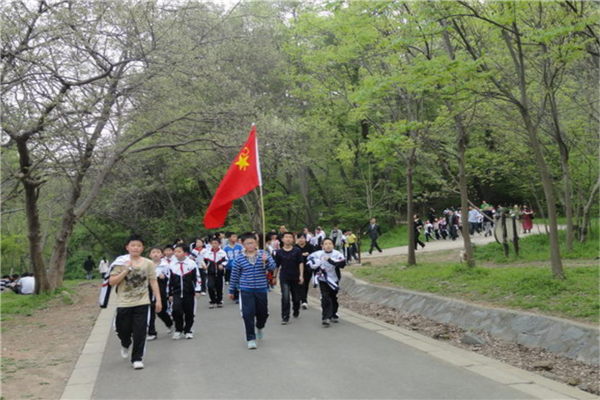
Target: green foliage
[[394, 237], [525, 288], [342, 94]]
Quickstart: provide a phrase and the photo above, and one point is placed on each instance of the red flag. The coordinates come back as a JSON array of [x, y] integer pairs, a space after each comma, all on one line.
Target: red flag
[[243, 176]]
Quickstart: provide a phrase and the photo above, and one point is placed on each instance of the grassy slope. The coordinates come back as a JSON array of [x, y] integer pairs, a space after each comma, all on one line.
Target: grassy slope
[[27, 304], [526, 288]]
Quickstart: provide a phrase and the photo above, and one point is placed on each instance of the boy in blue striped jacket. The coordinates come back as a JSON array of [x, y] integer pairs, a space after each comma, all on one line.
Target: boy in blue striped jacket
[[249, 276]]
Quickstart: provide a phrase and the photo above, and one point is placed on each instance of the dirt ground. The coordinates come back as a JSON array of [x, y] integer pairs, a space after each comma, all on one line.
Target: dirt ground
[[39, 352]]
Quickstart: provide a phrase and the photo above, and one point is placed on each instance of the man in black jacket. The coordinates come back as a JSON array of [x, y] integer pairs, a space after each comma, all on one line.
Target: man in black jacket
[[374, 232]]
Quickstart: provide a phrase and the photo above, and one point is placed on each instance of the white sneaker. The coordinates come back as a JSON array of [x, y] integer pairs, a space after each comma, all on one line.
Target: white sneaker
[[138, 365], [151, 337], [171, 329], [305, 306], [189, 335], [203, 293], [259, 334], [177, 335], [124, 352], [251, 345]]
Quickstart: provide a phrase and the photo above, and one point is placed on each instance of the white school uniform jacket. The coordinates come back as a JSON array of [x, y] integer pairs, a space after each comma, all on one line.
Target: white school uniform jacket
[[325, 270], [184, 278], [106, 288], [197, 255], [213, 259]]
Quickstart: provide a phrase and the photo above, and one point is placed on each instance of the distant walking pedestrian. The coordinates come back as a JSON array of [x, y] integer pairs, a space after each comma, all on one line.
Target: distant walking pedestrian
[[417, 226], [89, 266], [103, 267], [374, 232]]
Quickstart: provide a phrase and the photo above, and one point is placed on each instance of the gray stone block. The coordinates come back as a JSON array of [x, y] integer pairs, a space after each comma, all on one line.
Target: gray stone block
[[563, 337]]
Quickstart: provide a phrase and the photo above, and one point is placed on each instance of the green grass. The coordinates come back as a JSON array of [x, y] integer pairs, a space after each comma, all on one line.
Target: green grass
[[537, 248], [393, 238], [526, 288], [14, 304]]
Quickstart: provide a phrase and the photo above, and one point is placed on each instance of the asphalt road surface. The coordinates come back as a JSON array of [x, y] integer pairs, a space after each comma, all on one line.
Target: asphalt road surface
[[302, 360]]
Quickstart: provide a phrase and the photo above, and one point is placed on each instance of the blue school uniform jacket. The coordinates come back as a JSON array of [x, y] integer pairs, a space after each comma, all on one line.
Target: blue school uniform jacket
[[250, 277]]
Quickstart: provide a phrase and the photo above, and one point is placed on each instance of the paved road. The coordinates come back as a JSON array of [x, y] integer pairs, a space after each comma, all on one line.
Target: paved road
[[300, 360], [441, 245]]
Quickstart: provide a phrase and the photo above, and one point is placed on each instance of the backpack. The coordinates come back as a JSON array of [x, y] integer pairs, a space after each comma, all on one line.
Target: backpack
[[106, 289]]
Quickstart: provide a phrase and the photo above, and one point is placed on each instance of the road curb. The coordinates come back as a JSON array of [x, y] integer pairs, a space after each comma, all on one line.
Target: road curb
[[85, 373]]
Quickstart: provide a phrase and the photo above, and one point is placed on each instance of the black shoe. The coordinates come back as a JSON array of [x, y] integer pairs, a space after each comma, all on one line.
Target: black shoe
[[335, 319], [370, 252], [326, 322], [285, 321], [381, 251], [296, 315]]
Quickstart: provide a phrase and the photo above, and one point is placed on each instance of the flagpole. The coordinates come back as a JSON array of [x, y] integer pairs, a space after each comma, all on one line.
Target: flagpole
[[262, 209], [262, 202]]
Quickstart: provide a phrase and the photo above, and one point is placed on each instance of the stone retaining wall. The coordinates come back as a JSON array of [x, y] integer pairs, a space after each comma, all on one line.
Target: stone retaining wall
[[565, 338]]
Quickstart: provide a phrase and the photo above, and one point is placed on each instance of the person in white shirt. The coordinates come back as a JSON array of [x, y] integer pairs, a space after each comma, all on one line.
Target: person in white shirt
[[103, 267], [26, 284]]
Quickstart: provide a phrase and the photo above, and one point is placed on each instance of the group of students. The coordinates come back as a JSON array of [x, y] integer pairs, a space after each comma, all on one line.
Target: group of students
[[168, 284]]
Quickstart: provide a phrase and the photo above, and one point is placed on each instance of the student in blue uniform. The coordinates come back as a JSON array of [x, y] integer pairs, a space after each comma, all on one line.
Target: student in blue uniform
[[249, 275]]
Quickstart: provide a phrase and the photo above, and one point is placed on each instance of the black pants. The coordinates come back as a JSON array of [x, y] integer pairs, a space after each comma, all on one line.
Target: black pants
[[227, 275], [329, 301], [184, 308], [374, 245], [290, 288], [254, 307], [308, 273], [203, 278], [418, 241], [453, 232], [215, 287], [353, 252], [163, 315], [131, 324]]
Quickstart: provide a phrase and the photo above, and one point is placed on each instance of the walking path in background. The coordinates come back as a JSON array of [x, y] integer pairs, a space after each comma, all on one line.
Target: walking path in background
[[359, 358], [441, 245]]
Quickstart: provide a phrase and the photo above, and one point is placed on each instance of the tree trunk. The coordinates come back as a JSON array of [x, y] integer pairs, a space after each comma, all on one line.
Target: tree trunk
[[586, 212], [564, 159], [461, 144], [532, 131], [412, 260], [38, 264], [557, 267]]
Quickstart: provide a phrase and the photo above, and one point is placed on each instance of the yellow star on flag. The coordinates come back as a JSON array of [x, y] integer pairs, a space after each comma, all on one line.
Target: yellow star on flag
[[242, 162]]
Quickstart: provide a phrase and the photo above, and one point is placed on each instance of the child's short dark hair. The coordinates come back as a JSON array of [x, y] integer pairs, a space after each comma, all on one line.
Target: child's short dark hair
[[246, 236], [156, 248], [134, 238], [5, 276], [287, 233], [214, 239], [169, 246], [182, 247], [15, 276], [300, 235]]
